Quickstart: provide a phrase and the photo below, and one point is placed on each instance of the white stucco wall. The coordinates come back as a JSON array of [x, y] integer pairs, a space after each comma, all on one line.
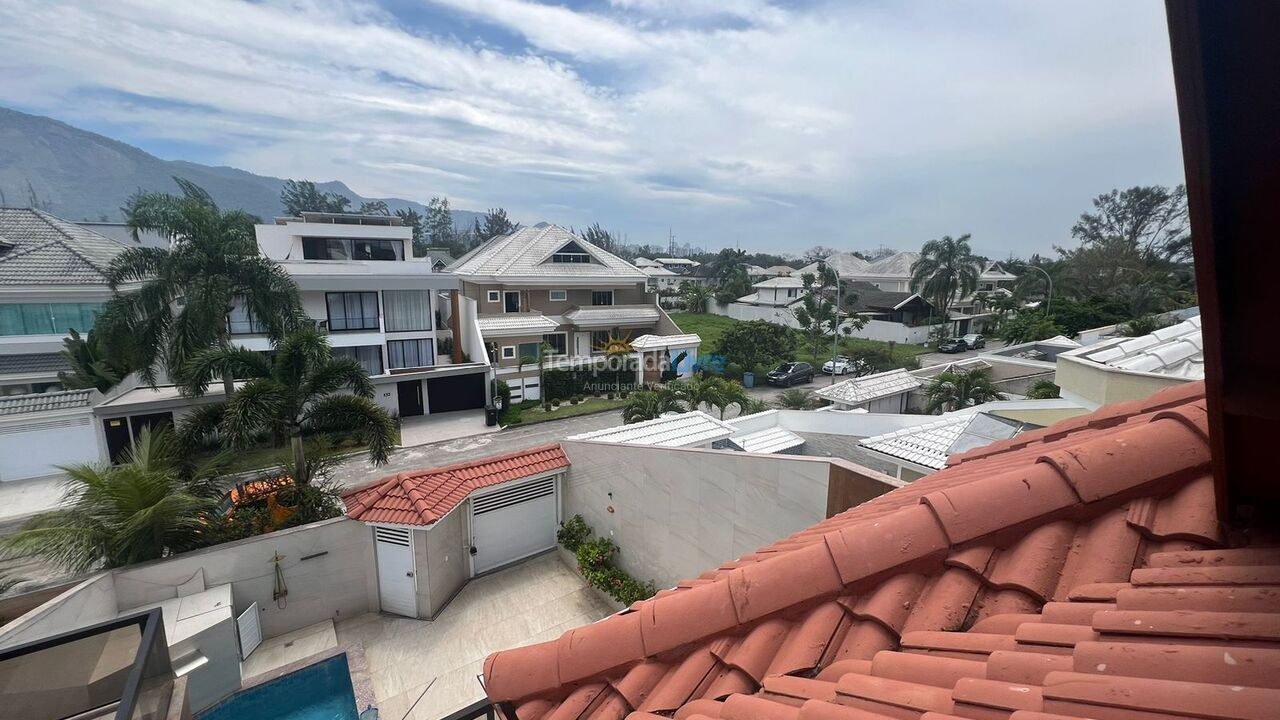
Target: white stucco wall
[[92, 601], [34, 444], [678, 512]]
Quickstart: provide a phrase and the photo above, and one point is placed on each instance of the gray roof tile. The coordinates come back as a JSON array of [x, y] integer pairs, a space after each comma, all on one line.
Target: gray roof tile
[[45, 250], [527, 253], [33, 362], [41, 402]]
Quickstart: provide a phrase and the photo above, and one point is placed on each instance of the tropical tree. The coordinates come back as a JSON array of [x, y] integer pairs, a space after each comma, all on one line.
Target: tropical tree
[[649, 405], [946, 270], [1043, 390], [695, 296], [757, 342], [1029, 326], [956, 389], [188, 290], [92, 366], [731, 394], [374, 207], [149, 506], [710, 391], [794, 399], [299, 196], [496, 223], [754, 406], [438, 224], [299, 390], [599, 237], [413, 219]]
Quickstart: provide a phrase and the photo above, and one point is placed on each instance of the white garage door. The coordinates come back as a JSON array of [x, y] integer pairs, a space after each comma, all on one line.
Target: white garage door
[[36, 448], [511, 523]]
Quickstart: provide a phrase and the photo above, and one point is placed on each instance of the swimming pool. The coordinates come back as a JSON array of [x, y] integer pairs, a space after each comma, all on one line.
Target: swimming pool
[[321, 691]]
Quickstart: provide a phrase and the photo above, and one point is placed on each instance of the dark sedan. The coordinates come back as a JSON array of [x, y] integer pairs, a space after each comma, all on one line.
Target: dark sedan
[[954, 345], [790, 373]]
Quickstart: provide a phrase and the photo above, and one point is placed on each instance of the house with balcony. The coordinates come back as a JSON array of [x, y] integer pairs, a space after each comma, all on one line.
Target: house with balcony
[[545, 285], [391, 312]]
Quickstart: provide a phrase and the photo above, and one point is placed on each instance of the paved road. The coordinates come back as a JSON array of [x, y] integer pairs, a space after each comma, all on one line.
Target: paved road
[[937, 358]]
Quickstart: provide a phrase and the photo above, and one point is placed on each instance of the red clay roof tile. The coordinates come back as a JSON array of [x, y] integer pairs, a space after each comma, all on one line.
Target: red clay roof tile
[[1006, 585], [422, 497]]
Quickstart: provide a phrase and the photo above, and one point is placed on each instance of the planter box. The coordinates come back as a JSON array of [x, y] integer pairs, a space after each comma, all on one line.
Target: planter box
[[572, 562]]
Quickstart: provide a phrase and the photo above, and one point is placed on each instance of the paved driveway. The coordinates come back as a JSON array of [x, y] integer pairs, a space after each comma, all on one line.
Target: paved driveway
[[937, 358]]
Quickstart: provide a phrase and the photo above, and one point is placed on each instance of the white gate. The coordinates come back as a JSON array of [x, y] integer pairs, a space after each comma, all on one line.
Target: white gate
[[397, 588], [511, 523], [249, 628]]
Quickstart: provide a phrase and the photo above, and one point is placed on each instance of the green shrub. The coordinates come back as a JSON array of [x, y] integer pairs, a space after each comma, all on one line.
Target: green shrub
[[504, 392], [556, 402], [546, 406], [624, 394], [594, 554], [734, 371], [573, 532], [573, 400], [610, 396]]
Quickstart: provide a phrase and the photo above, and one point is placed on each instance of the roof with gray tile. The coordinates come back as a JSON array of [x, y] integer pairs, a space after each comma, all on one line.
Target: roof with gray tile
[[687, 429], [33, 363], [43, 402], [37, 248], [855, 391], [613, 313], [896, 265], [1176, 351], [846, 265], [516, 323], [527, 253]]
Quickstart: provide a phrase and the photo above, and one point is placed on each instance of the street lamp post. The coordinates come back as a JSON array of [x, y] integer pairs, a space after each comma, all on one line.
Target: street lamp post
[[835, 337], [1049, 297]]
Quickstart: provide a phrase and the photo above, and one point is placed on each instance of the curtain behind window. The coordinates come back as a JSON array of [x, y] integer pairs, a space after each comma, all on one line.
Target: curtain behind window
[[406, 310]]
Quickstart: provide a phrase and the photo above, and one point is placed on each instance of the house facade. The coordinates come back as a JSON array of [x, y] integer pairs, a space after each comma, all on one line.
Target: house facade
[[403, 321], [543, 284]]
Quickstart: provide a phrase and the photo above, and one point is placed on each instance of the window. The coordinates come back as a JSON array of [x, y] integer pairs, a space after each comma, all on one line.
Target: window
[[792, 292], [571, 253], [406, 310], [601, 297], [241, 320], [559, 343], [557, 295], [351, 249], [511, 301], [508, 352], [352, 311], [47, 318], [409, 354], [493, 296], [599, 339], [369, 357], [531, 351]]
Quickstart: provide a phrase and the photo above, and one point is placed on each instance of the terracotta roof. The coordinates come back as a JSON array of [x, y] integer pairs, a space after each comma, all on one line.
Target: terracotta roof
[[424, 496], [1068, 572]]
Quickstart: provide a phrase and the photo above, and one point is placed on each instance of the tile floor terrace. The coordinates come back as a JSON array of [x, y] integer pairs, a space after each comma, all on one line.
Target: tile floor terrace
[[436, 663]]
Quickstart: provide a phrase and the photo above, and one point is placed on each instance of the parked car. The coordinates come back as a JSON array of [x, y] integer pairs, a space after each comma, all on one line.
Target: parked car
[[790, 373], [954, 345], [974, 341], [842, 365]]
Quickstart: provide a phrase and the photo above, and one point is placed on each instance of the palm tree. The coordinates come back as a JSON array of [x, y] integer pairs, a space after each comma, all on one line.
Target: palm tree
[[754, 406], [955, 389], [188, 290], [695, 296], [148, 507], [91, 365], [649, 405], [731, 393], [795, 399], [300, 389], [946, 270]]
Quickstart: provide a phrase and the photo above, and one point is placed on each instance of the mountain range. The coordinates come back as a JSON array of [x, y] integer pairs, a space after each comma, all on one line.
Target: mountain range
[[81, 175]]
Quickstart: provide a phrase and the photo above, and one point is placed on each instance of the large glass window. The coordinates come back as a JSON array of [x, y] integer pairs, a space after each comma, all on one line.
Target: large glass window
[[351, 249], [559, 343], [601, 297], [406, 310], [599, 339], [530, 351], [241, 320], [571, 253], [409, 354], [47, 318], [352, 311], [369, 356]]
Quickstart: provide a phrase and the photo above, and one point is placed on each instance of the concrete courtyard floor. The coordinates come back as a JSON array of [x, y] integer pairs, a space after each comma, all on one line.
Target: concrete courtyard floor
[[431, 667]]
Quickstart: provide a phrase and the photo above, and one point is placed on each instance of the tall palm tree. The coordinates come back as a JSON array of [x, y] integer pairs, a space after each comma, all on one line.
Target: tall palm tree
[[731, 393], [649, 405], [955, 389], [145, 508], [188, 290], [91, 365], [695, 296], [300, 389], [946, 270], [795, 399]]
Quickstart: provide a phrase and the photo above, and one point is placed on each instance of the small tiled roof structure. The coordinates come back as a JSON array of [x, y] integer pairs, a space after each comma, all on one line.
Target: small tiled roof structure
[[781, 281], [37, 248], [869, 298], [515, 324], [33, 362], [1072, 572], [422, 497], [527, 253], [661, 342], [932, 443], [768, 441], [44, 402], [1174, 351], [687, 429], [604, 314], [782, 270], [855, 391], [846, 265]]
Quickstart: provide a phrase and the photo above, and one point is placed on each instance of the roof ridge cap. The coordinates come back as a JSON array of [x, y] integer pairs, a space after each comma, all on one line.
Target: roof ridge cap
[[68, 241], [528, 246]]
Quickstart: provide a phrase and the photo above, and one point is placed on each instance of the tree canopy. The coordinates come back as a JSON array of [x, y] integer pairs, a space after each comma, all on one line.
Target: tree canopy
[[946, 270], [757, 343], [298, 196]]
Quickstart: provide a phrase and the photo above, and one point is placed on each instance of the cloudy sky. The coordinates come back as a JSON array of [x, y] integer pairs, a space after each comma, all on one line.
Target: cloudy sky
[[764, 125]]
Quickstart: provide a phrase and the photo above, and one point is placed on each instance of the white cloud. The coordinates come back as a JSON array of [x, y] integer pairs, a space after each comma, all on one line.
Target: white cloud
[[855, 123]]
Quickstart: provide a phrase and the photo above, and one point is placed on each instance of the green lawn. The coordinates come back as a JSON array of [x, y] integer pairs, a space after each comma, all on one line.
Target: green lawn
[[533, 412], [710, 327]]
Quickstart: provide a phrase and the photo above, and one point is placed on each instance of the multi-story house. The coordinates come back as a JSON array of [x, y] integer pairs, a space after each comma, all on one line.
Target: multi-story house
[[543, 284], [53, 279], [405, 323]]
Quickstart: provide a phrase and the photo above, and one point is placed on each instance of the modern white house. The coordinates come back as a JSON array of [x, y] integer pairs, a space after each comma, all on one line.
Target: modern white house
[[403, 321], [1129, 368], [543, 285]]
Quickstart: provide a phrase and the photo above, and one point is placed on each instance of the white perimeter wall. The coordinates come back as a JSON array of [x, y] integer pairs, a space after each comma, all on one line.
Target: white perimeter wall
[[856, 424], [679, 512], [34, 444]]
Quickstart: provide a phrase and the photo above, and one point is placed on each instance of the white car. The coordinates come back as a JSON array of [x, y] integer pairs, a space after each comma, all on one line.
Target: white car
[[842, 365]]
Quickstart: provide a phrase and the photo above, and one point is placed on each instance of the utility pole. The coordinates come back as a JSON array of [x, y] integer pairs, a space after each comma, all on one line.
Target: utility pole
[[835, 338]]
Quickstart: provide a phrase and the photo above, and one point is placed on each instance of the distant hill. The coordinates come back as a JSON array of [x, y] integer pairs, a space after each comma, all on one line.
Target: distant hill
[[86, 176]]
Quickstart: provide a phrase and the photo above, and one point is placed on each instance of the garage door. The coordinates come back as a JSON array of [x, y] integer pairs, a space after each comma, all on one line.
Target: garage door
[[511, 523], [459, 392], [34, 449]]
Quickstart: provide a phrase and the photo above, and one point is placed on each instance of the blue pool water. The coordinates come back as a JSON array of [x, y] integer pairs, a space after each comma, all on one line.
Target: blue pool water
[[317, 692]]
